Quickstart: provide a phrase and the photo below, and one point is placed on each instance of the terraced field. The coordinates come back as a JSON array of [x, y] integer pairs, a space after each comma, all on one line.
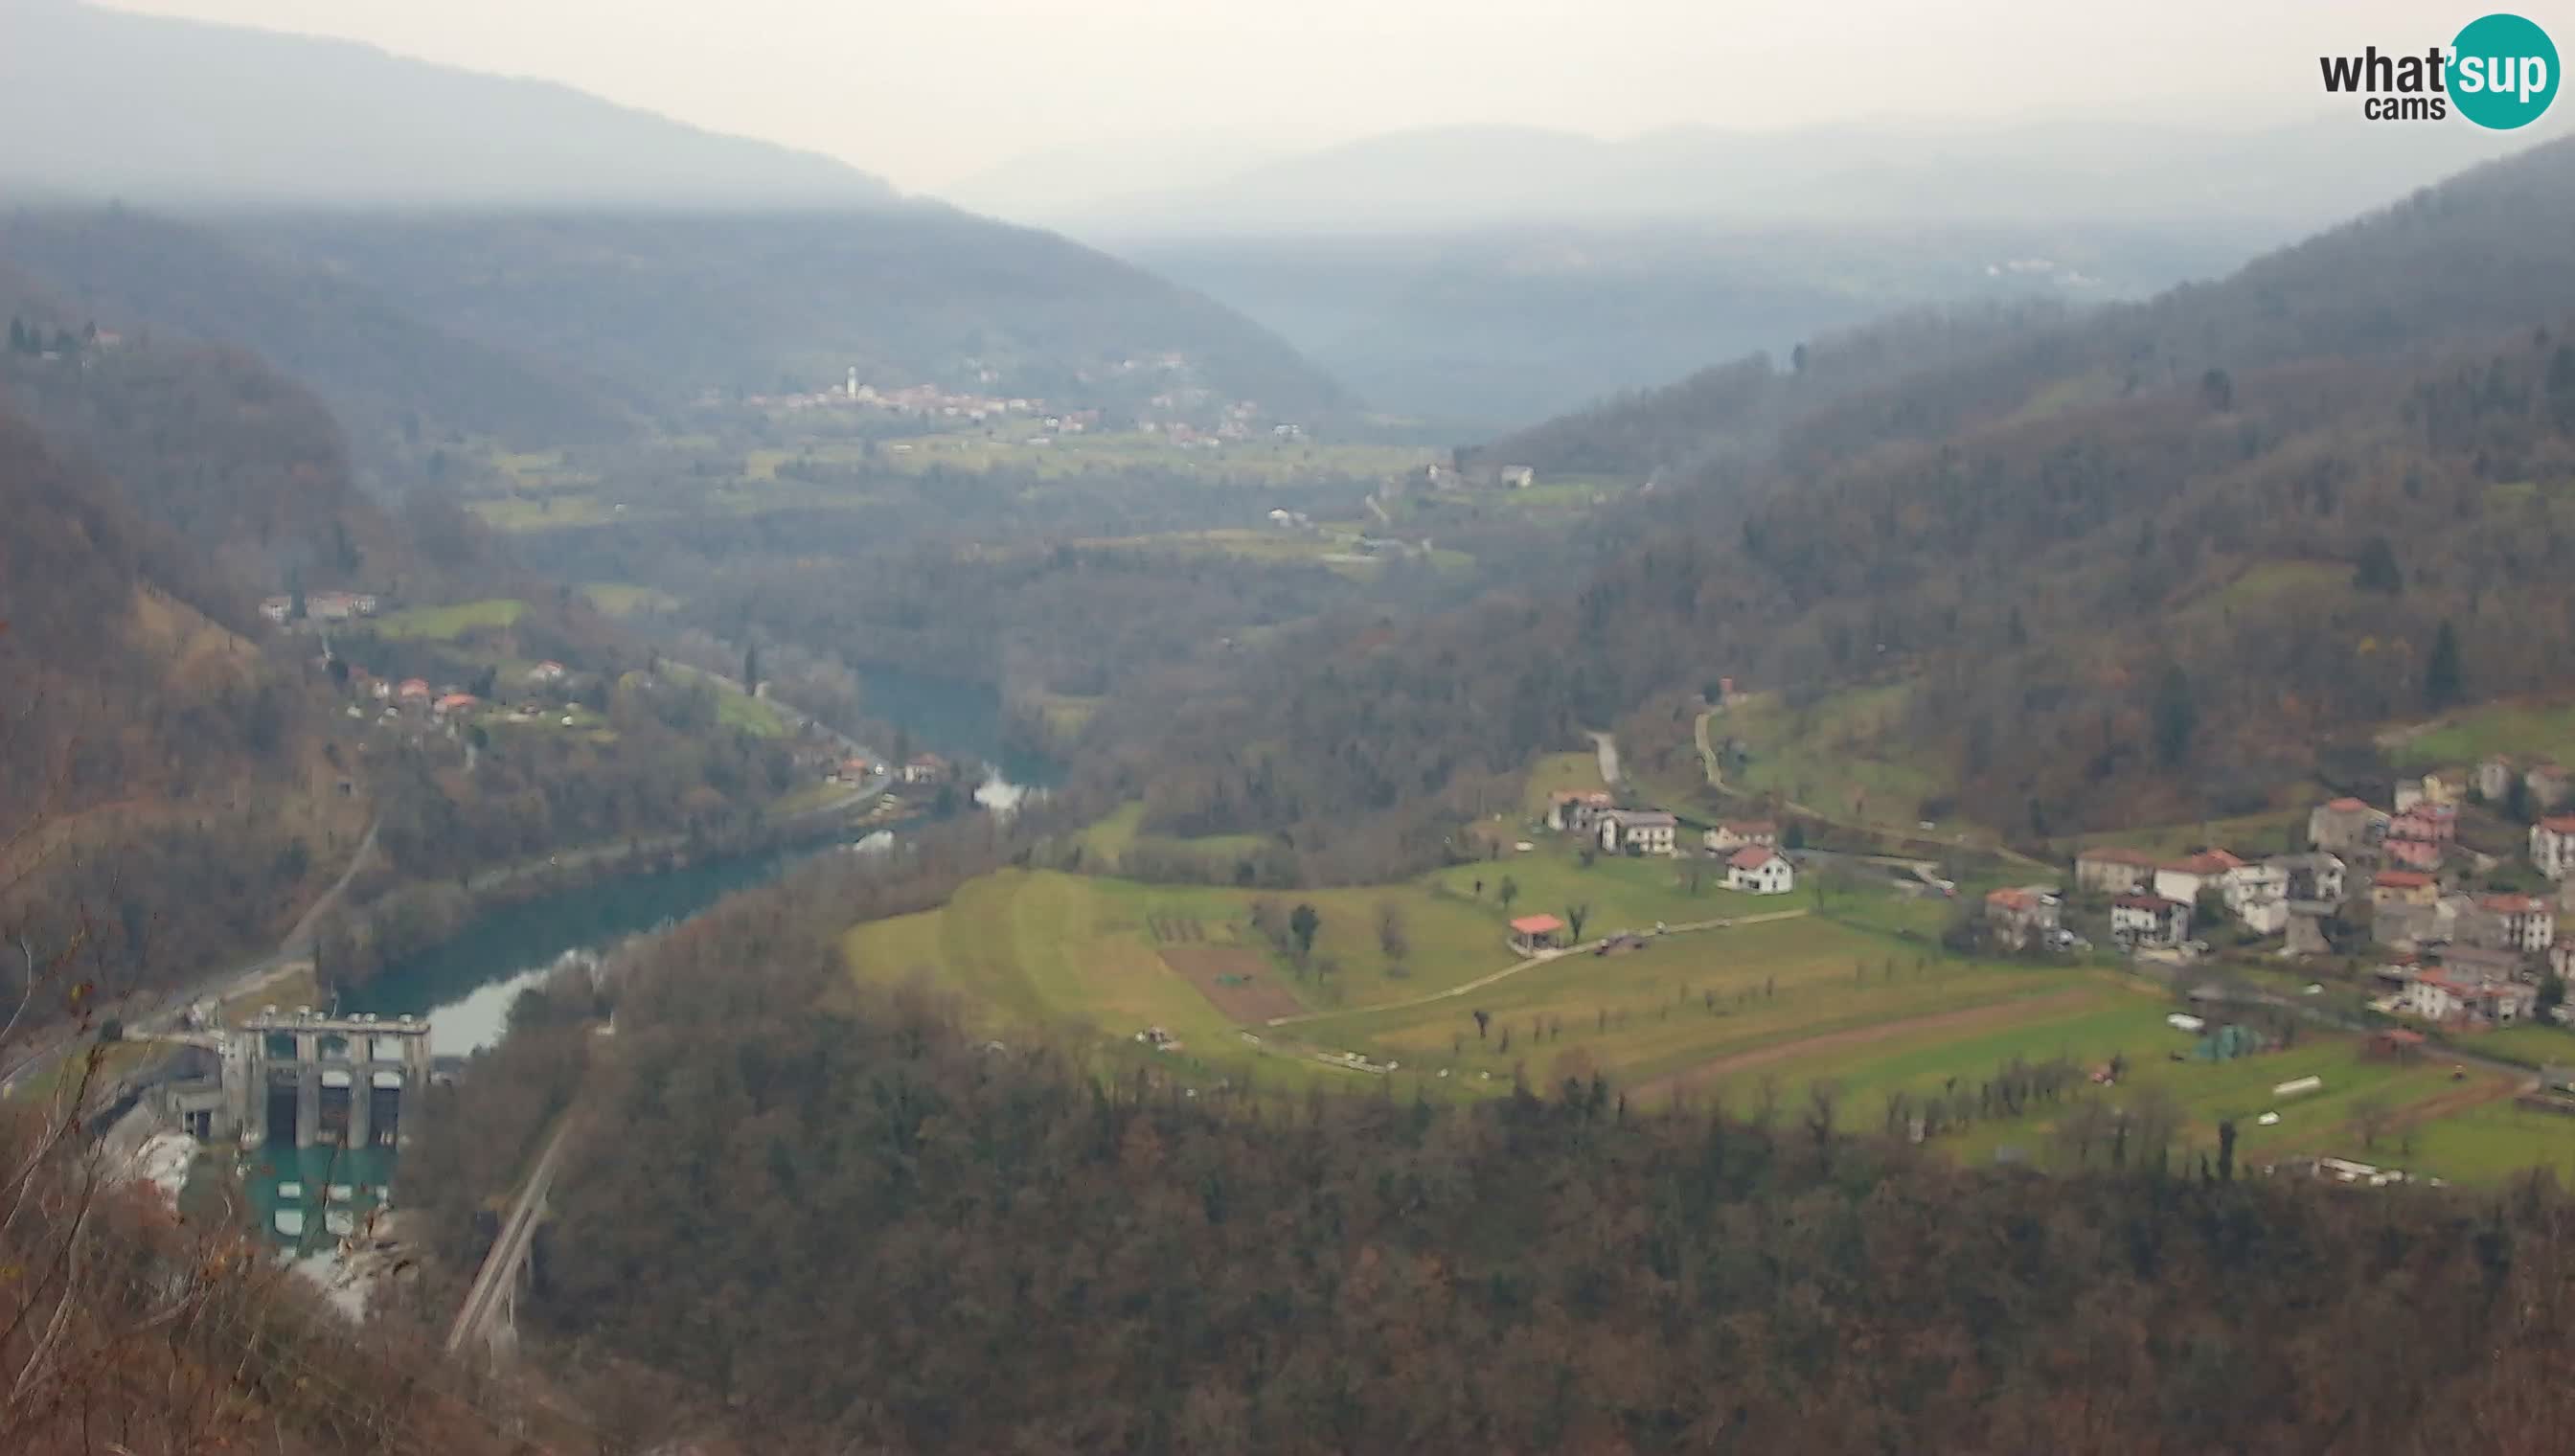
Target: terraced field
[[1747, 1001]]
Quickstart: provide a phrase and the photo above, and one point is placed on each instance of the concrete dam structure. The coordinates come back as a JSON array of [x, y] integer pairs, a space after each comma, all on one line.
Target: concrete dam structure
[[299, 1080]]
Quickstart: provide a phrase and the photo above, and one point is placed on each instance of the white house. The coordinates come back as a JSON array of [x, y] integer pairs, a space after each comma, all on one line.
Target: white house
[[1760, 870], [2259, 895], [1643, 831], [2149, 920], [2552, 845], [1576, 809], [2528, 922], [2433, 997], [2183, 880]]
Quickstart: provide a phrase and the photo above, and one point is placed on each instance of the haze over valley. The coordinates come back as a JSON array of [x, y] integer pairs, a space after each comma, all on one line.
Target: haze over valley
[[1293, 732]]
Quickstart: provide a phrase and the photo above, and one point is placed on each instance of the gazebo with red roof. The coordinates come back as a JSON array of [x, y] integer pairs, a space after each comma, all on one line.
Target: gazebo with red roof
[[1534, 934]]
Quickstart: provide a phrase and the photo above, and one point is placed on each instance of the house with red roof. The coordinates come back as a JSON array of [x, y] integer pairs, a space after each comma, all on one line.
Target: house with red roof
[[413, 690], [2447, 995], [454, 704], [1760, 870], [2183, 880], [2411, 854], [2435, 998], [2404, 888], [2018, 916], [2436, 823]]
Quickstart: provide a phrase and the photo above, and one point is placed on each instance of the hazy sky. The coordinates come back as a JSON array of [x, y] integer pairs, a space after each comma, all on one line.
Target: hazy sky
[[931, 92]]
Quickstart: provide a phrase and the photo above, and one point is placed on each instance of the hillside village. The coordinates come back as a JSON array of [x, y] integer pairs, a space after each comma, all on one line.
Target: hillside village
[[2458, 931]]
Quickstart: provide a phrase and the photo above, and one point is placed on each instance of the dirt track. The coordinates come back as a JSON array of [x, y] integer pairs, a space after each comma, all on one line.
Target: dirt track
[[1997, 1014]]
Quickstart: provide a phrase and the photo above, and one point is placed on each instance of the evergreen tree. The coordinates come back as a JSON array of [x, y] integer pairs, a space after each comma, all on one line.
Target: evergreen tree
[[2218, 389], [2377, 570], [2441, 673], [1303, 922], [2176, 716]]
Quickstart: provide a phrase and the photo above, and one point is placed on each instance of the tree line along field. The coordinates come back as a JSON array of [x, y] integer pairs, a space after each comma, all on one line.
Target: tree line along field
[[1773, 999]]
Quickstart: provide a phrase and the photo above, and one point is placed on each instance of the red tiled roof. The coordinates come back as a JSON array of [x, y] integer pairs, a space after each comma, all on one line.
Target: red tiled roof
[[1753, 858], [2207, 862], [2513, 905], [1751, 826], [2153, 902], [1537, 924], [2559, 823], [2347, 806], [2402, 880], [2011, 900]]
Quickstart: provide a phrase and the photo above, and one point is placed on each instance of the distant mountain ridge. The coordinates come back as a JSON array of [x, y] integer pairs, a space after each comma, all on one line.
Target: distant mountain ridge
[[1472, 177], [430, 249], [384, 371], [172, 112]]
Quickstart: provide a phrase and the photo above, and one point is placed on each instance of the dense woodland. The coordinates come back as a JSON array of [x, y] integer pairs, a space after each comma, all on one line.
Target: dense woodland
[[147, 746], [2151, 564], [859, 1227]]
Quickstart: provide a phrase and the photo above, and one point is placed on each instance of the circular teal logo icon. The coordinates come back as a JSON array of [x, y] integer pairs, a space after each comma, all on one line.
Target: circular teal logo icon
[[2503, 72]]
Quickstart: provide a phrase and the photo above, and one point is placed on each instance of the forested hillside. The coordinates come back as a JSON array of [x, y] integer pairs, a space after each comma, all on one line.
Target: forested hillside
[[864, 1226], [395, 381], [2151, 562], [1727, 416], [168, 788], [664, 306]]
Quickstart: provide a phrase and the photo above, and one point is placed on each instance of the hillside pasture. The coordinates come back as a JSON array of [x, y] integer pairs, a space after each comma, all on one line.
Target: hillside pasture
[[449, 623]]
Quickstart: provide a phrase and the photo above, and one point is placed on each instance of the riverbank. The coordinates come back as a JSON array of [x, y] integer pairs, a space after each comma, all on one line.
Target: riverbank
[[353, 948]]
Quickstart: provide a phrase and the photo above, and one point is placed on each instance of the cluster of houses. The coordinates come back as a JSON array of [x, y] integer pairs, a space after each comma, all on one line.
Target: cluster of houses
[[321, 606], [414, 700], [2450, 953], [1749, 849], [2154, 897]]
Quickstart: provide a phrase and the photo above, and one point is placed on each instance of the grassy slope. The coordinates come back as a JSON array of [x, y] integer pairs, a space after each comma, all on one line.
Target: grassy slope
[[1862, 999], [448, 623]]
